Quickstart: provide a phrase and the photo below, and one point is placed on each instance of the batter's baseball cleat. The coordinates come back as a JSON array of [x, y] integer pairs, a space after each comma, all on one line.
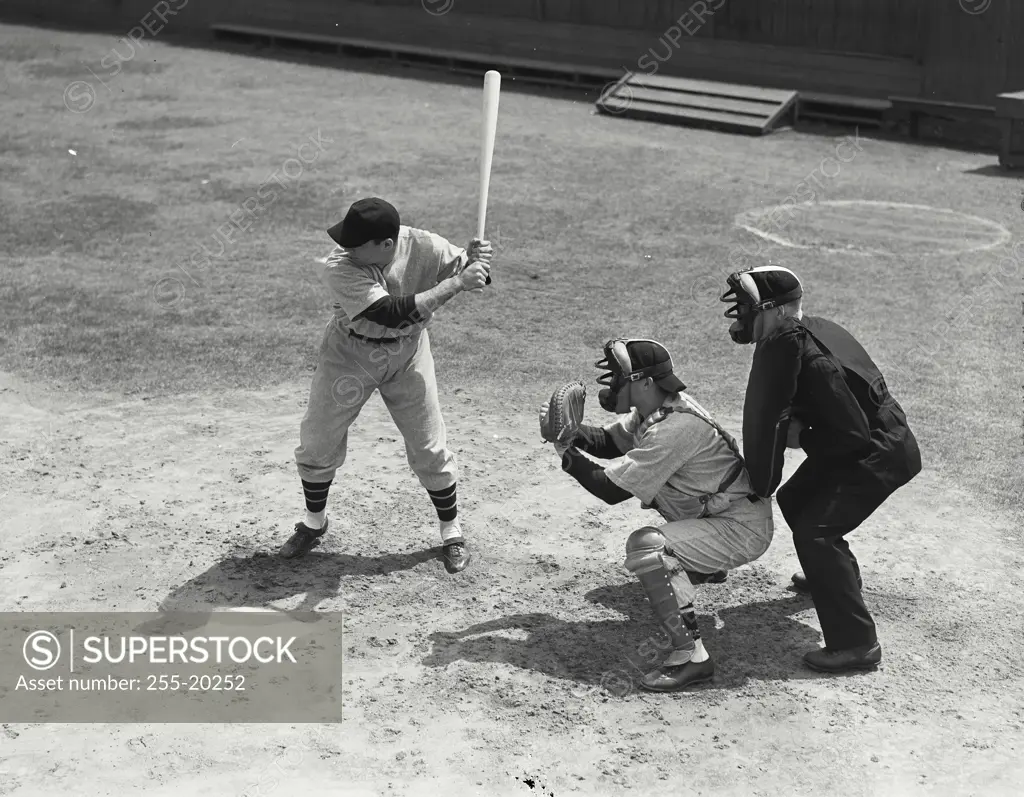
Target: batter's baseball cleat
[[456, 555], [800, 582], [862, 658], [677, 678], [302, 541]]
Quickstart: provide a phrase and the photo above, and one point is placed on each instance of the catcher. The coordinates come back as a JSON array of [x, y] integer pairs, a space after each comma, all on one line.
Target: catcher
[[813, 386], [677, 460]]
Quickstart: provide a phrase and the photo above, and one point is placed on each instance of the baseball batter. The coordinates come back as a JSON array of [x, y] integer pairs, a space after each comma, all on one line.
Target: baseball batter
[[677, 460], [386, 280]]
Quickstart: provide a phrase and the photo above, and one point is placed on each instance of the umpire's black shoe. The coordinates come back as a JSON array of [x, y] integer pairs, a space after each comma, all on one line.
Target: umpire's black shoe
[[455, 554], [302, 541], [678, 677], [800, 582], [866, 657]]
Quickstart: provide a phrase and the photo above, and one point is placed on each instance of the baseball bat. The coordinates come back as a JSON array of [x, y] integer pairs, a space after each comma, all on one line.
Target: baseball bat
[[492, 90]]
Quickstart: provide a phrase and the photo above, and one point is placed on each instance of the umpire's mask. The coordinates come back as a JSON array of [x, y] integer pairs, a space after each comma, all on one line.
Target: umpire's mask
[[626, 361], [755, 290]]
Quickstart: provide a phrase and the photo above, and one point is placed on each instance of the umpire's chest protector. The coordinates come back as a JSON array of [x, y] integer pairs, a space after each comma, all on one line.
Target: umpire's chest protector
[[815, 370]]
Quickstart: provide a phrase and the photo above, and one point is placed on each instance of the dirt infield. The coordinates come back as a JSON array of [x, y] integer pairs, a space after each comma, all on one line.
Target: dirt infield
[[521, 670]]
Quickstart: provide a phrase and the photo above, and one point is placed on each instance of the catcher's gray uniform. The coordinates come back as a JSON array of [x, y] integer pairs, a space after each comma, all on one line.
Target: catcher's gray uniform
[[675, 462]]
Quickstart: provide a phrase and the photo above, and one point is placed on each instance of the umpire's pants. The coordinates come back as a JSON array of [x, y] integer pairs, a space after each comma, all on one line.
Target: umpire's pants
[[822, 505]]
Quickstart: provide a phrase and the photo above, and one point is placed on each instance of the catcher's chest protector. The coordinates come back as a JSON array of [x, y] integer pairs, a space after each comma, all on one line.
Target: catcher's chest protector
[[687, 406]]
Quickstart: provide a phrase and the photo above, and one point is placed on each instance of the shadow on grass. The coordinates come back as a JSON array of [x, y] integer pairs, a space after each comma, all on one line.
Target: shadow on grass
[[998, 171], [758, 641]]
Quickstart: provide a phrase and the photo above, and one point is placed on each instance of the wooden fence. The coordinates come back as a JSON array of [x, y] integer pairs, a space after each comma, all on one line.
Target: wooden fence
[[931, 48], [870, 27]]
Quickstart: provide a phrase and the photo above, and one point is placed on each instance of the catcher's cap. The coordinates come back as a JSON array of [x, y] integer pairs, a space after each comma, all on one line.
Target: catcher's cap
[[370, 219], [640, 359], [651, 357]]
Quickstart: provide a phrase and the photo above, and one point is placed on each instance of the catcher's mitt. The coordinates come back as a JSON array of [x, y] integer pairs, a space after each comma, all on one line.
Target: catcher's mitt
[[565, 413]]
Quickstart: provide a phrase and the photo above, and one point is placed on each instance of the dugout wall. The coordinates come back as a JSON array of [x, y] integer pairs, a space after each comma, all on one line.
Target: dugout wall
[[964, 51]]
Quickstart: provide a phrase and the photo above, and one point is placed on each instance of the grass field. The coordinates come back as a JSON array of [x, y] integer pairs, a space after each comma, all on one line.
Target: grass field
[[604, 227]]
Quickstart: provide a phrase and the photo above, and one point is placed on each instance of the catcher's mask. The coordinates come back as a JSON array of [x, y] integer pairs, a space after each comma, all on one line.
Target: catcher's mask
[[753, 291], [626, 361]]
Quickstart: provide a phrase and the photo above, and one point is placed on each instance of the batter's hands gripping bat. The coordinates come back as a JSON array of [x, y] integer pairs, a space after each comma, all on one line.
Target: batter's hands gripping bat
[[492, 89]]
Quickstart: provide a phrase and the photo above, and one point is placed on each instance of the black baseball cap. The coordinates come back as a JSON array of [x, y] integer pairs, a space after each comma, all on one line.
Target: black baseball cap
[[654, 360], [370, 219]]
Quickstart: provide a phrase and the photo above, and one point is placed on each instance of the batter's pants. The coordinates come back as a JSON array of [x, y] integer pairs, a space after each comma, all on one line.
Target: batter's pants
[[347, 374]]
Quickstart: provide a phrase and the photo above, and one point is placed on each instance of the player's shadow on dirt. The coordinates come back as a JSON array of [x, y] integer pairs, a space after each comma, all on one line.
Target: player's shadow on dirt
[[262, 579], [759, 641]]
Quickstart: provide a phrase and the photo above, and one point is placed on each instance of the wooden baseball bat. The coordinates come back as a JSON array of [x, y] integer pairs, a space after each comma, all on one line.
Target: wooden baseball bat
[[492, 90]]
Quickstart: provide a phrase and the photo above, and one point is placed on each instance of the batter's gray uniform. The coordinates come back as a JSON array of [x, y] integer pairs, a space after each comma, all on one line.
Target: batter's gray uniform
[[358, 356]]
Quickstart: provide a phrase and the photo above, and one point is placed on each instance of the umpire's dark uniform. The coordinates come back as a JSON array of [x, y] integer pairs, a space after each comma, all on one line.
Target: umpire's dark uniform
[[859, 449]]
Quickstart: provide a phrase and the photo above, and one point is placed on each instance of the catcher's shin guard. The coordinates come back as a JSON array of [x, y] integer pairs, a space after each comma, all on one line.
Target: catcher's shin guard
[[645, 551]]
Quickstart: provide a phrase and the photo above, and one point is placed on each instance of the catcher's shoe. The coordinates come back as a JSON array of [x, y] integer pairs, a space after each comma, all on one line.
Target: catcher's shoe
[[800, 582], [302, 541], [455, 554], [679, 677], [866, 657]]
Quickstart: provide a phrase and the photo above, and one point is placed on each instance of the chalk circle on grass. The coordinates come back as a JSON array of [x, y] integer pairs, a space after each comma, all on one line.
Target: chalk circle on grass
[[870, 228]]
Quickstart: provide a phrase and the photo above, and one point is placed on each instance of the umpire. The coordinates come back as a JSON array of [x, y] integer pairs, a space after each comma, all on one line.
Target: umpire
[[813, 386]]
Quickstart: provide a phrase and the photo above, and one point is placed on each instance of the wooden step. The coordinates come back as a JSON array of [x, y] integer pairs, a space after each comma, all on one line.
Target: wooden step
[[693, 117], [711, 88], [753, 108], [732, 107]]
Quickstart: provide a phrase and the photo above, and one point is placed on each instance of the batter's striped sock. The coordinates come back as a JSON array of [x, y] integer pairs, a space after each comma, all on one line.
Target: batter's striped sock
[[316, 502], [446, 502]]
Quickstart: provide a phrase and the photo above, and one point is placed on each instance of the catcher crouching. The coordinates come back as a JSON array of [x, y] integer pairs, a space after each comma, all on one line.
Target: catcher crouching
[[671, 455]]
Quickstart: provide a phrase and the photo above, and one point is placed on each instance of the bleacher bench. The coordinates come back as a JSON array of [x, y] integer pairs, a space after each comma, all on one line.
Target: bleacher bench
[[527, 69], [1010, 111], [918, 107]]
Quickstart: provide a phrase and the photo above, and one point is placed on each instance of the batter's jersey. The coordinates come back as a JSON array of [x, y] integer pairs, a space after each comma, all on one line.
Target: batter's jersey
[[422, 260], [673, 459]]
